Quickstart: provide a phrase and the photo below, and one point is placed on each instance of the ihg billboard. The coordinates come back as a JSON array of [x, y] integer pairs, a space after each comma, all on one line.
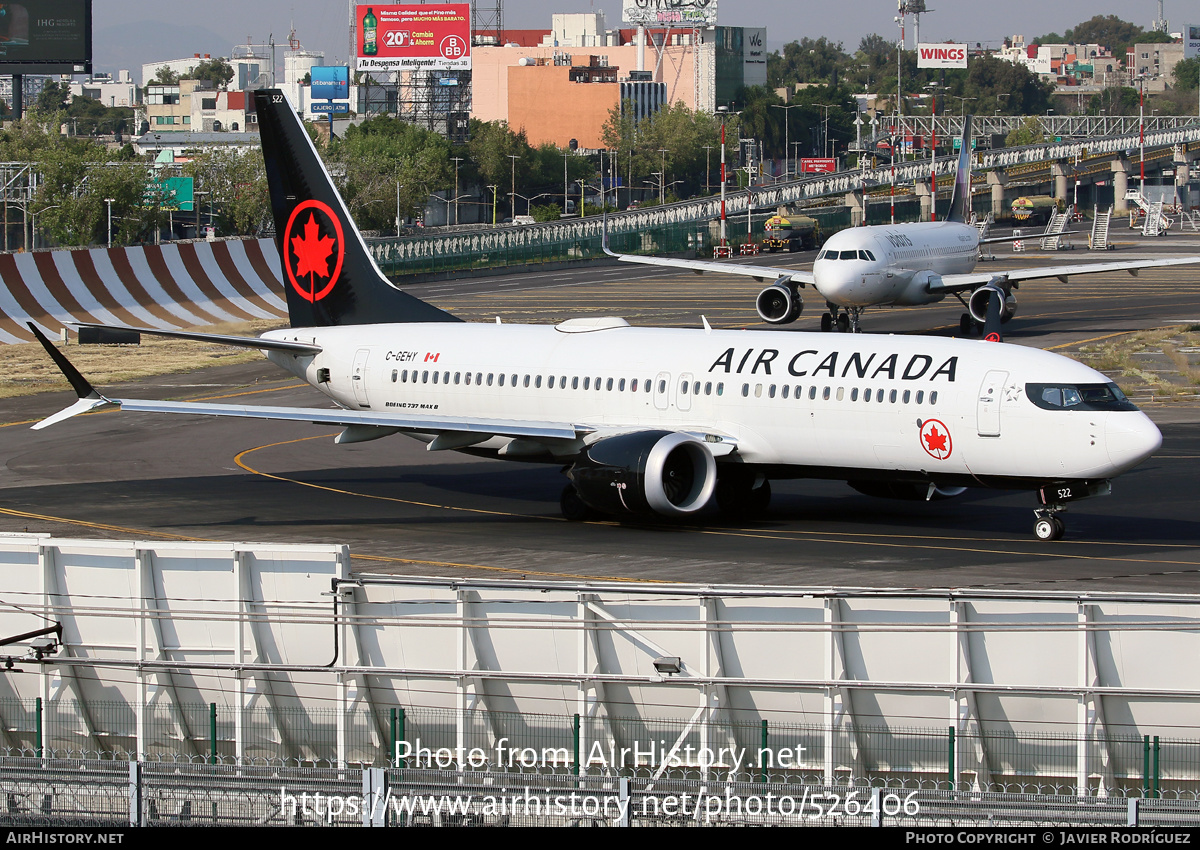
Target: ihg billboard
[[46, 37]]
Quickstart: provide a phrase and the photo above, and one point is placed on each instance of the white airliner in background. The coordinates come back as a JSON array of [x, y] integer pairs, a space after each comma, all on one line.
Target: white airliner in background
[[652, 421], [901, 265]]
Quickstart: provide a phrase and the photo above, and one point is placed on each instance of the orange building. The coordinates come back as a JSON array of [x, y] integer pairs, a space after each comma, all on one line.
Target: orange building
[[553, 101]]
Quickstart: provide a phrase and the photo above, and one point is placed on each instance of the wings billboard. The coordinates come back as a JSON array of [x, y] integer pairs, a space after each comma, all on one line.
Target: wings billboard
[[412, 37]]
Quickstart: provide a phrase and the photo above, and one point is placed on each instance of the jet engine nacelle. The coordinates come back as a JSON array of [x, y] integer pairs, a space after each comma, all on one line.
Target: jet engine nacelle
[[779, 304], [978, 303], [908, 490], [647, 473]]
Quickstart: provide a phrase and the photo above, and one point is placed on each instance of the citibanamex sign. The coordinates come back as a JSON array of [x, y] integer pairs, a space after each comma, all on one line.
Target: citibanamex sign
[[941, 56]]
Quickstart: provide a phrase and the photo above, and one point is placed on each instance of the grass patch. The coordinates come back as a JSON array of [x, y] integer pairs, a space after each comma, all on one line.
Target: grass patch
[[1173, 351], [25, 369]]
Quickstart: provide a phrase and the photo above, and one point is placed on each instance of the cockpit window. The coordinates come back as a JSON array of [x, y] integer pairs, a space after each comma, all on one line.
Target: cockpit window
[[1078, 397], [866, 255]]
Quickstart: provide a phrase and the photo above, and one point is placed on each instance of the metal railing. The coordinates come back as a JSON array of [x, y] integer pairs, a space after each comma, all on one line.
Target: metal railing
[[757, 752], [58, 793]]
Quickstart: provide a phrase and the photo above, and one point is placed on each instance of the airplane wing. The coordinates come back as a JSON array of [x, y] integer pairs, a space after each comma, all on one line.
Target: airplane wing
[[760, 273], [960, 282], [90, 399], [452, 432]]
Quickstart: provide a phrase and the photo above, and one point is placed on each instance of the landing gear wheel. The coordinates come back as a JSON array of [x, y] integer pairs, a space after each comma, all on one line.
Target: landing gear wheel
[[966, 325], [760, 499], [1049, 528], [826, 322], [738, 498], [574, 509], [843, 323]]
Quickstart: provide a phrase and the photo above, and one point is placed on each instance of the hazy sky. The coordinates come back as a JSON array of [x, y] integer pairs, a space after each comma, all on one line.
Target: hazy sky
[[130, 32]]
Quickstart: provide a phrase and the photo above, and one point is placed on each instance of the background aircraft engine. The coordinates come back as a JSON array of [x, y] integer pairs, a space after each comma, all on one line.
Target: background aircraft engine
[[907, 490], [779, 304], [978, 303], [647, 472]]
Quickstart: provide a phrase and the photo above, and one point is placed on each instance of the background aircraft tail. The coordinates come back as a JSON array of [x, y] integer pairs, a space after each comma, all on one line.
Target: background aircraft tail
[[960, 200], [328, 274]]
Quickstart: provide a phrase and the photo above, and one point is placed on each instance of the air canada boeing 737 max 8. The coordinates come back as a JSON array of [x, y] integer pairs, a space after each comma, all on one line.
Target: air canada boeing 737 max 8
[[656, 421], [903, 265]]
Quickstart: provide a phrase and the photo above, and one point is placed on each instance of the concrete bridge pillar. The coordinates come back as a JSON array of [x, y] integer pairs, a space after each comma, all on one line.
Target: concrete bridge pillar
[[997, 180], [924, 193], [1183, 161], [858, 207], [1061, 170], [1120, 172]]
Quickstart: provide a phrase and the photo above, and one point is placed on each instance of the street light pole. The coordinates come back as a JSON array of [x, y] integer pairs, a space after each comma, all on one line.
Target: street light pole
[[662, 180], [512, 197], [109, 201], [457, 161], [786, 170]]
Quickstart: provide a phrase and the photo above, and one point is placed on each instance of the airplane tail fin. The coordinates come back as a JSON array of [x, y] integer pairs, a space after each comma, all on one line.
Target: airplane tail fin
[[328, 274], [960, 201]]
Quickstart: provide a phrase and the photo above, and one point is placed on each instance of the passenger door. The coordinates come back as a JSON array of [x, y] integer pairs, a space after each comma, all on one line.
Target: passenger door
[[358, 379], [991, 393]]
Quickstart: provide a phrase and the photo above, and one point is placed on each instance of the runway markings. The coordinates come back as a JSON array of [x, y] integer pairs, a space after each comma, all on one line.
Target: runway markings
[[137, 532]]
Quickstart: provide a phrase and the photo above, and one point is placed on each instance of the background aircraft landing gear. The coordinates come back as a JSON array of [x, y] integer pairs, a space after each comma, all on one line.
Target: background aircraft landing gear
[[1048, 526], [843, 323], [967, 326], [574, 509], [826, 322], [743, 496]]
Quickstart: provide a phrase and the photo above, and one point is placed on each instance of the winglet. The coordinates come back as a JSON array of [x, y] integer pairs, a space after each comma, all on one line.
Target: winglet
[[89, 398], [604, 234]]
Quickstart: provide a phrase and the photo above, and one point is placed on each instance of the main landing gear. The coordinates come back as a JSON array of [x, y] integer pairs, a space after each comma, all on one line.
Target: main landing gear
[[847, 319], [967, 326]]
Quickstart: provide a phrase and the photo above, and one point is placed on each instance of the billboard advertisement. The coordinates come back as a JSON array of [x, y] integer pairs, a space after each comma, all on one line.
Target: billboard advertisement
[[676, 13], [1191, 41], [329, 82], [46, 37], [413, 37], [941, 56]]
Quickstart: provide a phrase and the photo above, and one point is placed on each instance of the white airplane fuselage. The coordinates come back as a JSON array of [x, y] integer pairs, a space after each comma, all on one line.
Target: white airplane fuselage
[[820, 404], [891, 264]]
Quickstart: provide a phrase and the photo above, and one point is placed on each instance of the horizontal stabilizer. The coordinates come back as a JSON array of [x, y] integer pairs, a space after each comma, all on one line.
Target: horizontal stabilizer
[[257, 343]]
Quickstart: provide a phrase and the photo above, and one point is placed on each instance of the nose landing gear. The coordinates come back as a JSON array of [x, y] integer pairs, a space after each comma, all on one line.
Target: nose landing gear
[[1048, 526], [847, 319]]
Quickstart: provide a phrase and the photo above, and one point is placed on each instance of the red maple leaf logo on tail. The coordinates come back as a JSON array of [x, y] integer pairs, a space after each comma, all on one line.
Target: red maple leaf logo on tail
[[312, 252]]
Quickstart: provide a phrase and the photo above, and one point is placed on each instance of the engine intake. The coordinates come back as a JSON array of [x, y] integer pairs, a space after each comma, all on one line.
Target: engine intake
[[646, 473], [779, 304], [978, 303]]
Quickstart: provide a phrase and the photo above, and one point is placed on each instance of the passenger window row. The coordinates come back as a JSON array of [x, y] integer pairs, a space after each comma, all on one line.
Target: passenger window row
[[797, 392], [501, 379]]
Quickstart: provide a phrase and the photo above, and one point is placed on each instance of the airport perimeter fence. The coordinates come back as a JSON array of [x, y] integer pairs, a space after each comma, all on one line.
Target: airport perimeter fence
[[73, 793], [538, 244], [762, 752]]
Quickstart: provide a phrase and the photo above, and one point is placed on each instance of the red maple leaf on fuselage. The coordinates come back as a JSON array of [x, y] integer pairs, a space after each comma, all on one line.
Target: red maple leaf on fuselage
[[935, 441], [312, 251]]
